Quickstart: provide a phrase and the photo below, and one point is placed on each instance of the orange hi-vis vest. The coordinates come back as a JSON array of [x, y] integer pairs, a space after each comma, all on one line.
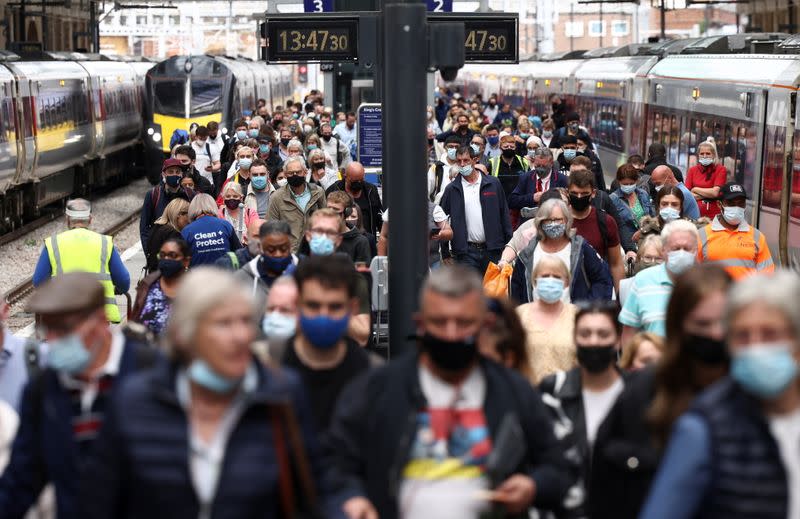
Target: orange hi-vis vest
[[741, 252]]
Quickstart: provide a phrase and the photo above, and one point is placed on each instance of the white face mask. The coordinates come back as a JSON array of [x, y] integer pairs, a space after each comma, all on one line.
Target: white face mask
[[281, 182]]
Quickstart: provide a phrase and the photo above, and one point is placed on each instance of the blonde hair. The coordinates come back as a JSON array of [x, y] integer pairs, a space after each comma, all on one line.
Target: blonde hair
[[630, 350], [710, 144], [202, 204], [552, 261], [233, 186], [172, 212]]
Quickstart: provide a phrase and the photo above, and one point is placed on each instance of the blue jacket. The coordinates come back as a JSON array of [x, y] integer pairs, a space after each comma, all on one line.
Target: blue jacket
[[375, 422], [496, 221], [210, 238], [44, 451], [155, 201], [522, 196], [140, 467], [119, 274], [591, 278], [626, 222]]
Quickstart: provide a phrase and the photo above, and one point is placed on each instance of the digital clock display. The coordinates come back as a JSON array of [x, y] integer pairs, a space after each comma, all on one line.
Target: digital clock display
[[487, 39], [312, 40]]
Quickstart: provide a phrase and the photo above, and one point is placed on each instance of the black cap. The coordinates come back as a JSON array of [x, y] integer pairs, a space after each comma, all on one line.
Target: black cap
[[731, 191]]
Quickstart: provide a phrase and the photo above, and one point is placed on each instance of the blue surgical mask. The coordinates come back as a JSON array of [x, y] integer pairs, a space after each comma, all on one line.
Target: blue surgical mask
[[547, 134], [253, 133], [627, 189], [706, 161], [323, 332], [679, 261], [321, 245], [259, 182], [204, 375], [312, 147], [264, 148], [764, 370], [241, 135], [69, 355], [554, 230], [668, 214], [493, 140], [465, 171], [570, 154], [245, 163], [274, 265], [549, 290], [733, 215], [451, 153], [277, 325], [524, 135]]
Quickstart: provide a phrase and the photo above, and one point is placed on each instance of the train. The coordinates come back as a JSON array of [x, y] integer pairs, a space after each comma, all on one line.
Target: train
[[739, 89], [186, 89]]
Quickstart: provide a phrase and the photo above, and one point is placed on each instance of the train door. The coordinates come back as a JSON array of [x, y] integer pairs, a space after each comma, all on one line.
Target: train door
[[31, 129]]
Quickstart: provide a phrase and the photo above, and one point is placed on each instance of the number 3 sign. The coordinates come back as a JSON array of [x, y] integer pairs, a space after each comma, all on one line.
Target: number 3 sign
[[318, 6]]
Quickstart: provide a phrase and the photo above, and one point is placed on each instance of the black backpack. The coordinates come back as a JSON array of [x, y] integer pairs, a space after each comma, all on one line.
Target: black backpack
[[438, 177]]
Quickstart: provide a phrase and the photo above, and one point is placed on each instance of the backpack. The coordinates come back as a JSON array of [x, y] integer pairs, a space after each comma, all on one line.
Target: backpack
[[155, 196], [234, 260], [602, 226], [339, 154], [178, 137], [438, 173]]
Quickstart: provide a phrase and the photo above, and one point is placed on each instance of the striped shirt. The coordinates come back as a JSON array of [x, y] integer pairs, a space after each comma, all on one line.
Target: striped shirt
[[646, 306]]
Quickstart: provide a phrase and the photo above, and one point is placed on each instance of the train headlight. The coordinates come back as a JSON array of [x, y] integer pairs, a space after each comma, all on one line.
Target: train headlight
[[156, 137], [150, 131]]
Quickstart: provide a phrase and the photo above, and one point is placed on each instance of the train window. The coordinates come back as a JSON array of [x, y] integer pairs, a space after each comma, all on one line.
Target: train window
[[169, 97], [665, 126], [655, 125], [773, 166], [674, 136], [794, 210], [206, 96]]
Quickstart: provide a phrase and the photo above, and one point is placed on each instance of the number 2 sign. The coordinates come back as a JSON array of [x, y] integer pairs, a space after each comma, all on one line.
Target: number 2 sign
[[440, 6]]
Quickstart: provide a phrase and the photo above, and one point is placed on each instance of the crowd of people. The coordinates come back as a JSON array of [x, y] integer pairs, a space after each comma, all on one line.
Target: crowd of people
[[643, 363]]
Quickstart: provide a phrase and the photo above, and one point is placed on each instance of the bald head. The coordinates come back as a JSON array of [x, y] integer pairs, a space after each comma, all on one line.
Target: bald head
[[663, 175], [253, 230], [354, 171]]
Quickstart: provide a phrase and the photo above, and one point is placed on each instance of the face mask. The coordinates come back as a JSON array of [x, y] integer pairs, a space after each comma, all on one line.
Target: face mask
[[285, 142], [570, 154], [356, 185], [172, 180], [451, 153], [554, 230], [296, 180], [465, 171], [706, 161], [281, 182], [259, 183], [295, 116], [492, 103], [311, 147], [252, 133], [475, 149], [596, 359], [493, 140], [69, 355], [547, 134], [733, 215], [679, 261], [241, 135], [531, 154], [245, 163], [232, 204], [170, 268], [268, 265], [765, 370], [323, 332], [321, 245], [509, 154], [430, 142], [264, 148], [549, 290], [204, 376], [524, 135], [278, 326], [573, 127], [705, 349], [307, 128], [579, 203], [659, 188], [669, 214], [201, 143], [627, 189], [326, 137], [450, 355], [542, 171]]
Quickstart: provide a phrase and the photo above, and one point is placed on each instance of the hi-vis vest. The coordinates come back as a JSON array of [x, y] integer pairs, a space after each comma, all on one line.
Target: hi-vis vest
[[740, 252], [82, 250], [495, 163]]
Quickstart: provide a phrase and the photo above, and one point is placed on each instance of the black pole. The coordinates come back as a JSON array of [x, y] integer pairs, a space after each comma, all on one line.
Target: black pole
[[404, 161], [663, 15], [94, 29], [21, 31]]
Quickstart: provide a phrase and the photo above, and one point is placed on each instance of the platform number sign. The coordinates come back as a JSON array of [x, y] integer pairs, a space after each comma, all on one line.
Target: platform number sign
[[318, 6], [440, 6]]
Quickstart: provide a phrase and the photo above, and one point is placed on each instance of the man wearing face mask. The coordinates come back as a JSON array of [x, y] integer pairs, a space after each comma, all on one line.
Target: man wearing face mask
[[235, 260], [364, 193], [646, 306], [461, 130], [347, 132], [508, 166], [437, 172], [572, 129], [207, 158], [491, 109], [268, 153], [286, 137], [159, 196], [396, 430], [186, 154], [296, 201], [321, 351], [492, 134], [533, 184], [661, 176], [239, 134], [354, 243], [729, 241], [62, 408], [335, 147]]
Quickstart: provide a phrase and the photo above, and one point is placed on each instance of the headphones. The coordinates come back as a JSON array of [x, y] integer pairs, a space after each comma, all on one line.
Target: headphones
[[348, 212]]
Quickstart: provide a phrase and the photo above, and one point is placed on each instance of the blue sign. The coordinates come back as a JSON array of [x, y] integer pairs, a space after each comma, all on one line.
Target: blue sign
[[370, 135], [319, 6], [440, 6]]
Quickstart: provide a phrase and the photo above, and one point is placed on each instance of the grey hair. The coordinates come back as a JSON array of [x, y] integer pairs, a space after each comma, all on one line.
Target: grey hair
[[314, 153], [294, 143], [546, 210], [452, 281], [79, 204], [710, 144], [299, 160], [202, 204], [202, 290], [542, 151], [654, 240], [678, 226], [552, 261], [779, 290], [233, 186], [534, 139]]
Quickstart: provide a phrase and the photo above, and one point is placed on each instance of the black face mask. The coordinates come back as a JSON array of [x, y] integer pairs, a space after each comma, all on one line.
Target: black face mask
[[187, 168], [296, 180], [356, 185], [509, 154], [452, 356], [430, 142], [596, 359], [705, 349], [285, 142], [542, 172], [579, 203], [318, 165], [326, 138]]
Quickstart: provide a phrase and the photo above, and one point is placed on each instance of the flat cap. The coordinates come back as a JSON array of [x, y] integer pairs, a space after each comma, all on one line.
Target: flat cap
[[67, 293]]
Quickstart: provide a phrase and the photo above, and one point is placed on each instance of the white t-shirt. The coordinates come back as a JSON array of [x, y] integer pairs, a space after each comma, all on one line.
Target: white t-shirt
[[786, 430], [473, 210], [596, 405], [563, 255]]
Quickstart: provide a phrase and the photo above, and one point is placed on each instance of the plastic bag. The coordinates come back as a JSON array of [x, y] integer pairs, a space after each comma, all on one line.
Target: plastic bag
[[496, 280]]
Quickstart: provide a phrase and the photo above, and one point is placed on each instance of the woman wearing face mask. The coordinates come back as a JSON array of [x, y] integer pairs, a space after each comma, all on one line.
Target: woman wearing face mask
[[169, 225], [548, 321], [631, 204], [522, 134], [155, 292], [295, 149], [668, 207], [706, 178], [278, 178], [230, 210], [433, 124], [630, 443], [650, 252], [212, 425], [548, 129], [239, 171], [580, 399]]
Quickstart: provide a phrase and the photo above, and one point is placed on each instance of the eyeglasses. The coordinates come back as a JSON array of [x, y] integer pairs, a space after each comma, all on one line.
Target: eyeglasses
[[326, 232]]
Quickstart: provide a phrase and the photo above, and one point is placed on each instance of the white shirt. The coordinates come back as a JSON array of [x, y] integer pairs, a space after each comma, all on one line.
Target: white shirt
[[786, 430], [203, 159], [473, 210], [564, 255], [596, 405], [347, 135], [432, 180]]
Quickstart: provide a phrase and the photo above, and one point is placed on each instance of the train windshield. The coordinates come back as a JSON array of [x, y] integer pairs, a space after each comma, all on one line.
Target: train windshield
[[170, 97], [206, 96]]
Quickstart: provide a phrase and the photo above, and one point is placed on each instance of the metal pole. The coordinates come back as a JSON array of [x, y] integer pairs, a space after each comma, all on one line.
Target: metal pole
[[21, 35], [601, 23], [405, 64], [94, 30], [571, 26], [663, 14]]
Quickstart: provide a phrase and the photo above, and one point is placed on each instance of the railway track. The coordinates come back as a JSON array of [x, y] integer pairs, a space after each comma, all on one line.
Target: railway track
[[20, 291]]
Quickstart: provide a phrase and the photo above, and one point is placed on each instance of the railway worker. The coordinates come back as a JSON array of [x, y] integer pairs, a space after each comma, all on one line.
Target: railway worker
[[663, 175], [157, 198], [706, 178], [209, 236], [364, 193], [233, 261], [479, 215], [79, 249], [541, 178], [347, 132], [461, 130], [572, 128], [729, 241], [646, 305], [406, 400], [297, 200], [63, 407], [657, 156], [508, 167], [187, 155], [335, 146], [492, 134]]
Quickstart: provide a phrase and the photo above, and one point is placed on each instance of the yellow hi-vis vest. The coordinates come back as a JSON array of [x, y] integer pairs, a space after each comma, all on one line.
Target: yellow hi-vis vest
[[82, 250]]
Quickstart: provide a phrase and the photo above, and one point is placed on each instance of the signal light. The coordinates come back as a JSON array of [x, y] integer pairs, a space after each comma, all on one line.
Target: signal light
[[302, 73]]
